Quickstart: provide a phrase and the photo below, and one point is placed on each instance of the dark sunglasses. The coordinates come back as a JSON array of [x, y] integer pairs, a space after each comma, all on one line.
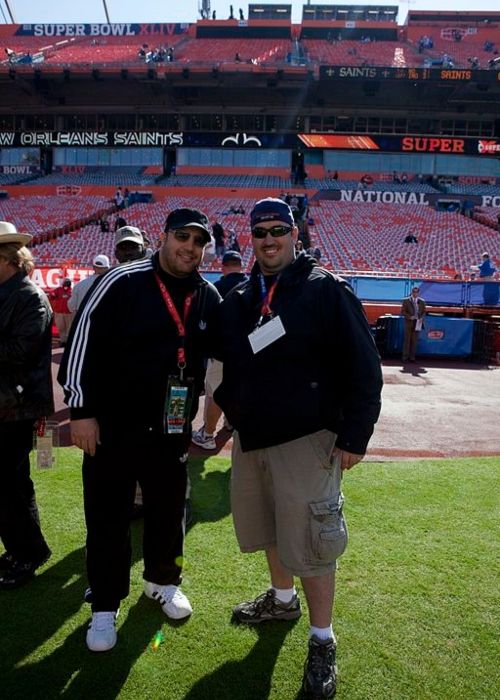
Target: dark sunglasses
[[183, 236], [275, 231]]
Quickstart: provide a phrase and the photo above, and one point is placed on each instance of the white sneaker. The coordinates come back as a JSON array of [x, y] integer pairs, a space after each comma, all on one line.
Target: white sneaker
[[200, 438], [172, 600], [101, 634]]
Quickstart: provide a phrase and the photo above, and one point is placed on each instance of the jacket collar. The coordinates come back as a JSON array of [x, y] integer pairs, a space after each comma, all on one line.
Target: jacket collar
[[293, 273], [11, 284]]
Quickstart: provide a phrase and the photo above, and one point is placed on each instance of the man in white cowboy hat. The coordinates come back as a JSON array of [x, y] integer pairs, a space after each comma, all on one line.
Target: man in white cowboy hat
[[25, 397]]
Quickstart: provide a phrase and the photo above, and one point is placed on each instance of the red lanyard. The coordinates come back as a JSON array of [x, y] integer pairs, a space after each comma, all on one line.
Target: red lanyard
[[180, 323], [265, 309]]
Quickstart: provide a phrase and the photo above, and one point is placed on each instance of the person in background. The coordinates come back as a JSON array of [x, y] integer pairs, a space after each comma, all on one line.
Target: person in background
[[59, 299], [100, 265], [486, 269], [411, 238], [129, 244], [119, 223], [413, 310], [119, 199], [25, 398], [219, 238], [301, 387], [232, 276]]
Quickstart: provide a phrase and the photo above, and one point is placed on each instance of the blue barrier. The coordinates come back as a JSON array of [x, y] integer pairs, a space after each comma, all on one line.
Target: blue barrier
[[394, 290], [450, 337]]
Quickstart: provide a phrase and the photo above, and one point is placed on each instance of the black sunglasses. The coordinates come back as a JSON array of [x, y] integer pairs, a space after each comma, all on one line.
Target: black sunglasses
[[275, 231], [183, 236]]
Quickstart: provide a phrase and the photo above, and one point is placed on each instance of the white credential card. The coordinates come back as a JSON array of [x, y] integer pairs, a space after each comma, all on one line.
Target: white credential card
[[267, 334]]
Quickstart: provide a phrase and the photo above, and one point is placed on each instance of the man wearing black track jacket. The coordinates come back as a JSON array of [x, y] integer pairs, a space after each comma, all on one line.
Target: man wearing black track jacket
[[301, 386], [132, 374]]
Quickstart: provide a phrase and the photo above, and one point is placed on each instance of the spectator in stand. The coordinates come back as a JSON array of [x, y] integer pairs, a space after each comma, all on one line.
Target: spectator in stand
[[119, 223], [104, 224], [101, 265], [232, 276], [218, 231], [59, 299], [126, 197], [486, 269], [232, 241], [411, 238], [242, 16], [25, 397], [413, 310], [119, 199]]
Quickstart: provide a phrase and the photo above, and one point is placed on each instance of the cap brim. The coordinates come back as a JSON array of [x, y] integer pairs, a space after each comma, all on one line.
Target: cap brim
[[131, 239]]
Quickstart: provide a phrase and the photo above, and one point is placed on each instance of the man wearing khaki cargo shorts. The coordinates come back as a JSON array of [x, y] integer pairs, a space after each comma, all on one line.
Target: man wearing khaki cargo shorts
[[301, 387]]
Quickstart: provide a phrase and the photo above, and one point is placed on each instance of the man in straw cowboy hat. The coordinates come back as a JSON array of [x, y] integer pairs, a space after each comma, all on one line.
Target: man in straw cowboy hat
[[25, 397]]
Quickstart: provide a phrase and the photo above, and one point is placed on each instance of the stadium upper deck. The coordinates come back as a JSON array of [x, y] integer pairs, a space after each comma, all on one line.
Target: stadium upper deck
[[335, 36]]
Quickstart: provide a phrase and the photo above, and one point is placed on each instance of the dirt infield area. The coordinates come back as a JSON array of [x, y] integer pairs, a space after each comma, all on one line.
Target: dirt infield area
[[430, 409]]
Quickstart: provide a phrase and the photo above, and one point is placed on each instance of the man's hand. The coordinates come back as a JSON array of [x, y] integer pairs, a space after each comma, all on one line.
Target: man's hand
[[85, 434], [347, 459]]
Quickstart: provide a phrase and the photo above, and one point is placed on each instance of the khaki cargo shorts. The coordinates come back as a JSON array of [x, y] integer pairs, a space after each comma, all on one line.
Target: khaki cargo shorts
[[289, 496]]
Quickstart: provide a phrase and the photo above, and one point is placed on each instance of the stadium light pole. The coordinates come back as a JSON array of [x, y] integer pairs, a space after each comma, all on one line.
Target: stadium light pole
[[11, 15], [106, 11]]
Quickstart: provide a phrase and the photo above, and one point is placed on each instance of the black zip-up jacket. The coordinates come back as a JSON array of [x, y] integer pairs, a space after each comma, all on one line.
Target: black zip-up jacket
[[123, 347], [324, 373], [228, 282], [25, 351]]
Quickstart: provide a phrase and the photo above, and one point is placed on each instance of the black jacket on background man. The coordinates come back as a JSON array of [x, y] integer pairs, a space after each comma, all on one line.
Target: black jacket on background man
[[25, 351]]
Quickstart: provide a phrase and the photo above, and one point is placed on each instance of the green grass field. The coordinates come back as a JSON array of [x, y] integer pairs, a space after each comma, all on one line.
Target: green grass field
[[416, 613]]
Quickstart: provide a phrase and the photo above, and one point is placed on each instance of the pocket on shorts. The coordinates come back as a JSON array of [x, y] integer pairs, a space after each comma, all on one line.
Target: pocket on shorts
[[328, 529], [323, 443]]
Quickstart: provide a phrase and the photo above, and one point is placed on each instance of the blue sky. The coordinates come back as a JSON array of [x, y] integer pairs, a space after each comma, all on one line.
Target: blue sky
[[49, 11]]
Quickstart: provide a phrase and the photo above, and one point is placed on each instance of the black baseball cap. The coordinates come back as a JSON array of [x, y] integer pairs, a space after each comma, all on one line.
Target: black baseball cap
[[231, 256], [182, 218]]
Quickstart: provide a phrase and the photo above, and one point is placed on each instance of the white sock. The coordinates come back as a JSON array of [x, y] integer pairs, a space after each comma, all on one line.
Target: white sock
[[321, 632], [285, 595]]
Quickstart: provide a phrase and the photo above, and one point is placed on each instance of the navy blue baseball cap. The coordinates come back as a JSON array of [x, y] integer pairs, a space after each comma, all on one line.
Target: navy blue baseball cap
[[271, 209]]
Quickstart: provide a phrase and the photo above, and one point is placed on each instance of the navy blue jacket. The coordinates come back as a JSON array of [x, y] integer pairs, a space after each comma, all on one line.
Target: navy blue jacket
[[324, 373]]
